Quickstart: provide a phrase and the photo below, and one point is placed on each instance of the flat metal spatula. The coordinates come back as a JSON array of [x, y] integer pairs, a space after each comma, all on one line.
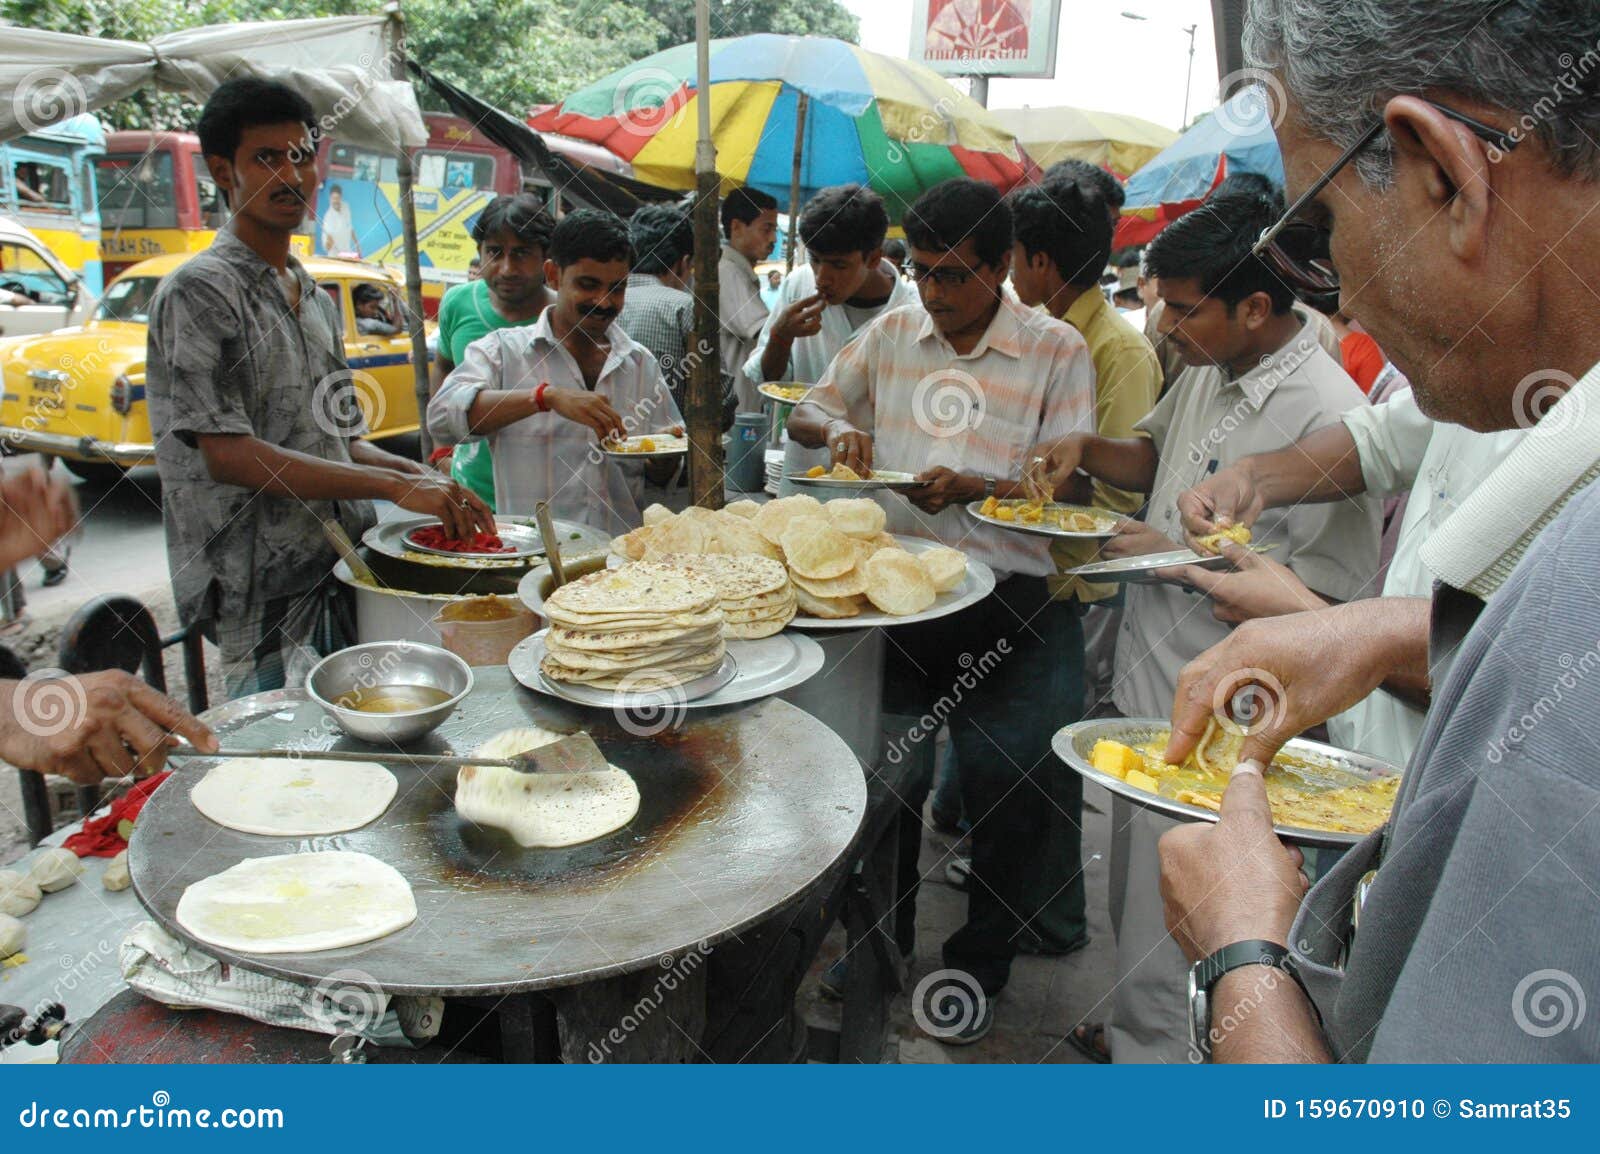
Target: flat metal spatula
[[552, 545], [576, 753]]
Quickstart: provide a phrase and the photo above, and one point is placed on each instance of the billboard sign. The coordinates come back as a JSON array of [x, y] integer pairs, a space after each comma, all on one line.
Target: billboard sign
[[986, 37]]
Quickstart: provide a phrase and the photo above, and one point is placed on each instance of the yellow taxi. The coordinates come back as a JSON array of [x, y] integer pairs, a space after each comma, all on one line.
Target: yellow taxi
[[78, 393]]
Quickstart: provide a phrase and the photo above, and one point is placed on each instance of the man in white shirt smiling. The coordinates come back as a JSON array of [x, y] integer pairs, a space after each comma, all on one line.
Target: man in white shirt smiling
[[546, 394]]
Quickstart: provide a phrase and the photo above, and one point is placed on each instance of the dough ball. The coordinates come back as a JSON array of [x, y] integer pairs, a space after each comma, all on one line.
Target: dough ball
[[18, 894], [55, 869], [13, 936], [116, 877]]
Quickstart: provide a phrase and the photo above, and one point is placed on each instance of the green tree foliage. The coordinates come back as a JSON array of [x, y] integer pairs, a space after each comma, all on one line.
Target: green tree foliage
[[742, 17], [513, 53]]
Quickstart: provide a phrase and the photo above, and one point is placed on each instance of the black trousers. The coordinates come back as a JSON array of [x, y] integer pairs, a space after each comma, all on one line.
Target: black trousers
[[1004, 676]]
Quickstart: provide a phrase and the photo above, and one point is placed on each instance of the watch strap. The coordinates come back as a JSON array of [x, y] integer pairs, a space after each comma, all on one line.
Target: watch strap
[[1205, 974], [1255, 951]]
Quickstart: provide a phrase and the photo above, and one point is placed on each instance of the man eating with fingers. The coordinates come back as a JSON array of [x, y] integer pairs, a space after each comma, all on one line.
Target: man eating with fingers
[[821, 305], [958, 391], [250, 399], [1256, 379], [547, 396]]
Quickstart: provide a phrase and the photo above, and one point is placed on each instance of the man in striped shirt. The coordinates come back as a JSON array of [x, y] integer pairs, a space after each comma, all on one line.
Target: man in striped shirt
[[959, 390]]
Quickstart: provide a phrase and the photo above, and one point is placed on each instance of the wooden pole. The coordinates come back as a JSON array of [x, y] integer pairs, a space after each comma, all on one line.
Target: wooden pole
[[408, 228], [794, 180], [703, 401]]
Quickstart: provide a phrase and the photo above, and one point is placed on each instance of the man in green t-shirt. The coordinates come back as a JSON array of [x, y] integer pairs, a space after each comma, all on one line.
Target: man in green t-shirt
[[513, 235]]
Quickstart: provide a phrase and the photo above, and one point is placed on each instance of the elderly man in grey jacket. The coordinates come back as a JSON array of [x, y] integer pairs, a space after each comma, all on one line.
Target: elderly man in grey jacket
[[1441, 130]]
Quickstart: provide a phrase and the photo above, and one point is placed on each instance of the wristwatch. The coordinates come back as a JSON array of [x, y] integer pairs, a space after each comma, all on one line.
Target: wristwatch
[[1205, 974], [988, 487]]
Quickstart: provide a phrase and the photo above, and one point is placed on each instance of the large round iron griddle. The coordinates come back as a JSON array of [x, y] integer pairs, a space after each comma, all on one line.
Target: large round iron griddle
[[741, 809]]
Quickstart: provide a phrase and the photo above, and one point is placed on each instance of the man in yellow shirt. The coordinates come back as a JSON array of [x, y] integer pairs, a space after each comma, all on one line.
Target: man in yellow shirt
[[1062, 242]]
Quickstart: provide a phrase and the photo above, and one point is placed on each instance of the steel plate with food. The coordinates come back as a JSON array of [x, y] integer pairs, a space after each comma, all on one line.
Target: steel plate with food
[[752, 670], [844, 477], [1044, 519], [844, 570], [1320, 795], [648, 445], [1140, 569], [784, 394], [510, 541]]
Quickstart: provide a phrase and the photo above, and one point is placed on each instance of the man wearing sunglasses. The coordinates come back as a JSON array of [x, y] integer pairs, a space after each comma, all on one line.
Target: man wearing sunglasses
[[1449, 149]]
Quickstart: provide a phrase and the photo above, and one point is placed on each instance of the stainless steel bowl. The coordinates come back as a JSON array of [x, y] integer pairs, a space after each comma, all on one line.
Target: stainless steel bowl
[[379, 664]]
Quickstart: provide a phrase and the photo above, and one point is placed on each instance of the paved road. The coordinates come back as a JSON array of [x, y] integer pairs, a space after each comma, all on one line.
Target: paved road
[[119, 548]]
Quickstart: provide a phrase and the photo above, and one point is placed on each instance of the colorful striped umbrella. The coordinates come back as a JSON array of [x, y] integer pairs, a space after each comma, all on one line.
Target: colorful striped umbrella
[[869, 119], [1237, 137]]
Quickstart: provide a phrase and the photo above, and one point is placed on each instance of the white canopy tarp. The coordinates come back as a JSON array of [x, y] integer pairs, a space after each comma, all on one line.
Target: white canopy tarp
[[343, 65]]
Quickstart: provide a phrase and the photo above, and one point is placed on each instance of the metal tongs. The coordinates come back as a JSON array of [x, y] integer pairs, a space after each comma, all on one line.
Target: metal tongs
[[576, 753]]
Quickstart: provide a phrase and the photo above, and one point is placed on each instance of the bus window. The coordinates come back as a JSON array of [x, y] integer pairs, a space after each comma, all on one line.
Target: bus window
[[213, 210], [453, 170], [39, 184], [24, 273], [137, 191], [352, 163]]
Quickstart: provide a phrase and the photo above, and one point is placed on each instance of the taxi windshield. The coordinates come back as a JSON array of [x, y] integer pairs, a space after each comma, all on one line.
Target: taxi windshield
[[128, 300]]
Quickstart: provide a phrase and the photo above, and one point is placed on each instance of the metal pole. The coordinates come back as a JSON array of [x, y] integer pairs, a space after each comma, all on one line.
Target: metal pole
[[794, 180], [703, 401], [980, 90], [1188, 80], [408, 228]]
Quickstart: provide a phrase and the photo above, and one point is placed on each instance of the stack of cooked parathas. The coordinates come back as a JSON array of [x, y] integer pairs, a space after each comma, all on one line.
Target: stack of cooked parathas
[[641, 627], [839, 558], [757, 599]]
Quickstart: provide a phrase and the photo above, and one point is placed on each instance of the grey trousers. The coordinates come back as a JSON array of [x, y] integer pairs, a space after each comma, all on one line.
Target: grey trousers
[[1150, 1003]]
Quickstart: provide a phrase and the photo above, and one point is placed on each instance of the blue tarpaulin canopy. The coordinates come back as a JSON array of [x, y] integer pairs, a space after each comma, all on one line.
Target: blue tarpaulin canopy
[[1240, 129]]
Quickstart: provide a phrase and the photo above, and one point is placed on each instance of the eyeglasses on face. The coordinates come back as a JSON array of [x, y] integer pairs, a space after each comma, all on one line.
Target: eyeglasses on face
[[1300, 251], [943, 277]]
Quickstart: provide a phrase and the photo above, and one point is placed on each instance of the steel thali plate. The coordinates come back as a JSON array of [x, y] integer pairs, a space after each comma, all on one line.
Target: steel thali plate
[[390, 539], [1105, 522], [1074, 744], [764, 667]]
